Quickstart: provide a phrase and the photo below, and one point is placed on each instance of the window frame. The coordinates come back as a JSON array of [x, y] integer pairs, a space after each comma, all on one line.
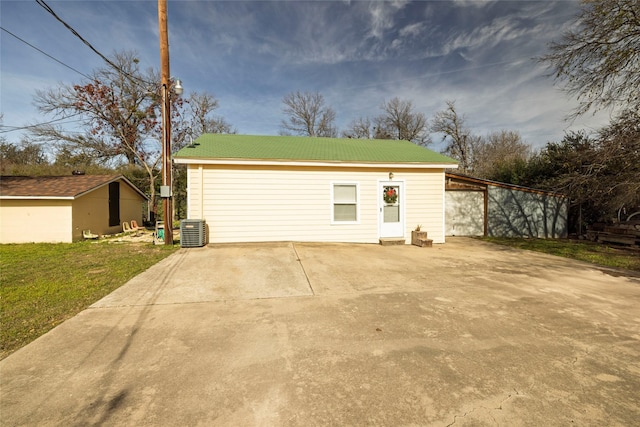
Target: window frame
[[333, 202]]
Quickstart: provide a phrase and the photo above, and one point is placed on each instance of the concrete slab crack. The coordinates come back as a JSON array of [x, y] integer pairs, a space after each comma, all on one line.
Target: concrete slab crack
[[509, 396], [488, 409], [303, 269]]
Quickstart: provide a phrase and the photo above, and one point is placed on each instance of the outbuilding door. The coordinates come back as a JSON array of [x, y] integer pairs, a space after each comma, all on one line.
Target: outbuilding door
[[391, 202], [114, 204]]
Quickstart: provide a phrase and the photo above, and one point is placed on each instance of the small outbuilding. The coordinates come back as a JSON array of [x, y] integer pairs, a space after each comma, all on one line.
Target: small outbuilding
[[479, 207], [58, 208], [251, 188]]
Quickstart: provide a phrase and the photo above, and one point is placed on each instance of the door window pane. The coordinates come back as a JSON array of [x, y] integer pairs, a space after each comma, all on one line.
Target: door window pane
[[391, 213]]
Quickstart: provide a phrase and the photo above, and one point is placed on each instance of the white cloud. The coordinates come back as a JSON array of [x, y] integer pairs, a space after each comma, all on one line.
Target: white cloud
[[473, 3], [412, 30], [382, 16]]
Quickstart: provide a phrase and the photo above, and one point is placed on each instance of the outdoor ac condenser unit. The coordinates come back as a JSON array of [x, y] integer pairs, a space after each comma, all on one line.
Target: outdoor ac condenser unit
[[192, 233]]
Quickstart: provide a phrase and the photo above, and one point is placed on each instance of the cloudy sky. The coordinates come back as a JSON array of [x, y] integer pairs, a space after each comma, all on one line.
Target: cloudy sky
[[357, 54]]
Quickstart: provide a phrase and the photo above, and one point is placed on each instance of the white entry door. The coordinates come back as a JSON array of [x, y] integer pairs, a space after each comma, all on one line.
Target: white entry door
[[391, 202]]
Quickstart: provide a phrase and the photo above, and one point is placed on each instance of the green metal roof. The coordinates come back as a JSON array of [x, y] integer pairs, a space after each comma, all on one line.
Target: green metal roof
[[299, 148]]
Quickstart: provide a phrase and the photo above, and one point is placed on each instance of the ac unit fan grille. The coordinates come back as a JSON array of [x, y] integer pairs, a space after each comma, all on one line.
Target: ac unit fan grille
[[192, 233]]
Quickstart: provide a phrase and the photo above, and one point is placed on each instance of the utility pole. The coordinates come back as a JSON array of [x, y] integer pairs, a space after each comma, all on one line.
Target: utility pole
[[166, 122]]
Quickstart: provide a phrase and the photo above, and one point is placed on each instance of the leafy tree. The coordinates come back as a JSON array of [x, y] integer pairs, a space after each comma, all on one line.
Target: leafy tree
[[307, 115], [25, 154], [598, 59], [25, 158], [29, 158], [564, 167], [599, 173], [461, 143], [400, 121], [70, 159], [616, 168]]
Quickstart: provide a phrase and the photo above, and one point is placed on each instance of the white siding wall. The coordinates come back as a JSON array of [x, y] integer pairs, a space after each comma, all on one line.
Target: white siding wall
[[252, 203], [26, 221], [425, 202]]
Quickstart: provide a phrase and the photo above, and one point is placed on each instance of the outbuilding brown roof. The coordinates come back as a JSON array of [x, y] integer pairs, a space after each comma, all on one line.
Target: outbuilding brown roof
[[68, 186]]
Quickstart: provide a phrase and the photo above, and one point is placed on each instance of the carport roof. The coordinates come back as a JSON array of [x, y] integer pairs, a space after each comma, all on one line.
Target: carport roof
[[471, 181], [309, 149]]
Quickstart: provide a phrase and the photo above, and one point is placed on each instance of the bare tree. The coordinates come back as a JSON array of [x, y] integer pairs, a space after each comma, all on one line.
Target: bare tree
[[460, 141], [197, 119], [200, 106], [500, 155], [359, 128], [364, 128], [598, 60], [307, 115], [400, 121]]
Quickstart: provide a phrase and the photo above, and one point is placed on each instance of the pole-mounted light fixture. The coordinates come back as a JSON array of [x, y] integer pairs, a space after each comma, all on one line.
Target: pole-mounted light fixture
[[177, 87]]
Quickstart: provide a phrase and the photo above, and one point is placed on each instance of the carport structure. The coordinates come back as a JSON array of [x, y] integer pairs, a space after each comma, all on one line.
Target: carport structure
[[480, 207]]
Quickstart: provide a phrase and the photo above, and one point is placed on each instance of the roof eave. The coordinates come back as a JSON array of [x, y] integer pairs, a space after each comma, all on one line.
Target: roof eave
[[318, 163], [37, 197]]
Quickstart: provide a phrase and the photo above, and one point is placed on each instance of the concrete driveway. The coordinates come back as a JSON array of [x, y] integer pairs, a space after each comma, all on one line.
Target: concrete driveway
[[464, 334]]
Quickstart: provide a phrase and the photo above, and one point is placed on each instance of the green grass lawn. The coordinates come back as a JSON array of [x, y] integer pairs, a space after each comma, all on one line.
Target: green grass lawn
[[594, 253], [42, 284]]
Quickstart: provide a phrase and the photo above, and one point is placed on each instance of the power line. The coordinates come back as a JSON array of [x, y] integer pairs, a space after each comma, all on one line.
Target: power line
[[44, 53], [14, 128], [48, 8]]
